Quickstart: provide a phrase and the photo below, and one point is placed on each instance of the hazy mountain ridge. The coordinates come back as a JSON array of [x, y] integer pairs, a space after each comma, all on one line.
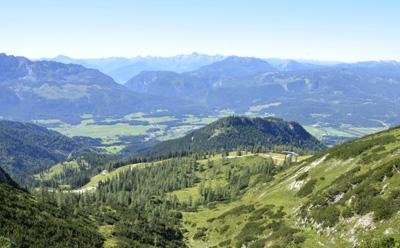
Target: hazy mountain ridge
[[122, 69], [230, 72], [52, 90], [358, 93]]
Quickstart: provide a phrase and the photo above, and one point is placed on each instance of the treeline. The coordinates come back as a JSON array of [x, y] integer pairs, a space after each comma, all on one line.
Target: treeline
[[136, 203], [89, 164]]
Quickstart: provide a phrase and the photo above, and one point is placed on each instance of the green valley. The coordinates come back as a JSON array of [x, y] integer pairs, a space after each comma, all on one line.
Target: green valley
[[345, 197]]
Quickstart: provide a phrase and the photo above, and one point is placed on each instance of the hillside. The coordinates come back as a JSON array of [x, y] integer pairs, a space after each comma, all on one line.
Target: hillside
[[36, 90], [6, 179], [27, 221], [345, 197], [248, 133], [26, 149]]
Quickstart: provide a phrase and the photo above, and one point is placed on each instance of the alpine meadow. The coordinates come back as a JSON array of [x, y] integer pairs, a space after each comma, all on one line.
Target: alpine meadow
[[199, 124]]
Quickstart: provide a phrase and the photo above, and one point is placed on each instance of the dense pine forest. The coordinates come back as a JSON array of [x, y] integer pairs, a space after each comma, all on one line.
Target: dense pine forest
[[139, 208]]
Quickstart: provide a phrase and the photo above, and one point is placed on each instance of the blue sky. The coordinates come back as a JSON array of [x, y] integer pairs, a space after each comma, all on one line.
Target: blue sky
[[345, 30]]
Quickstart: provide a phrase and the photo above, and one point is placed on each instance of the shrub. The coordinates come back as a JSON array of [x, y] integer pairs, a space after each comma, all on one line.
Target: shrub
[[384, 242], [201, 232], [328, 216], [249, 233], [302, 176], [258, 243], [307, 188], [223, 229], [383, 209], [347, 212], [243, 209], [259, 213], [225, 243]]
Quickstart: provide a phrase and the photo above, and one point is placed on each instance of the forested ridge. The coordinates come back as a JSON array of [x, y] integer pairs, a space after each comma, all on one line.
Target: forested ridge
[[232, 132], [27, 149]]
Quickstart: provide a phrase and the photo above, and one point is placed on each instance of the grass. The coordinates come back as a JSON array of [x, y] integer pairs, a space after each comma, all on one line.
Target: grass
[[110, 240], [157, 120], [57, 170], [344, 131], [105, 131], [256, 109], [190, 119], [107, 175], [114, 149]]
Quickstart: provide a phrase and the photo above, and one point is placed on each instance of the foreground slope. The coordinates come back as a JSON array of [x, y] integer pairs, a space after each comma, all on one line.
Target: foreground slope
[[27, 221], [233, 132], [345, 197]]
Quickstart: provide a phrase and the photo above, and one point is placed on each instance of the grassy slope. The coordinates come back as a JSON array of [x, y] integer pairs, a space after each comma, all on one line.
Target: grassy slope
[[223, 224], [107, 175], [278, 158], [281, 193]]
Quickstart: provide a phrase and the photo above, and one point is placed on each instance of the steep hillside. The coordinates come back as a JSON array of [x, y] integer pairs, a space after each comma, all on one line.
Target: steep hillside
[[51, 90], [26, 221], [6, 179], [233, 132], [26, 149], [345, 197]]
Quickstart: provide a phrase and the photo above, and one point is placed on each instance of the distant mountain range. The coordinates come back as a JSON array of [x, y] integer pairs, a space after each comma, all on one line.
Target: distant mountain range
[[232, 132], [47, 90], [363, 94], [122, 69]]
